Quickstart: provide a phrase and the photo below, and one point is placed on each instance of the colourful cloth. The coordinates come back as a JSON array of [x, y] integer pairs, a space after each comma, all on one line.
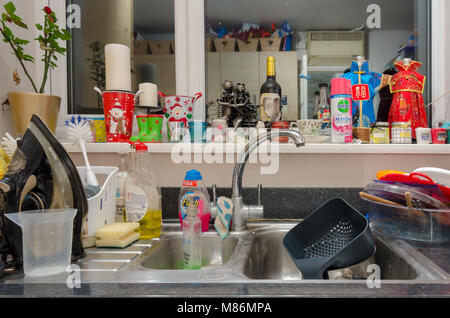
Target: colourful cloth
[[4, 162], [407, 104], [369, 80]]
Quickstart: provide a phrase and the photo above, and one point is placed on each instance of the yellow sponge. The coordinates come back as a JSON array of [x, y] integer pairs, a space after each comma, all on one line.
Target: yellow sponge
[[117, 234]]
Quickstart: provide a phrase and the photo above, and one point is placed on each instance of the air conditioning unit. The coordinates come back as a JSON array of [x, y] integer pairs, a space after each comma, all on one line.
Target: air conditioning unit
[[335, 48]]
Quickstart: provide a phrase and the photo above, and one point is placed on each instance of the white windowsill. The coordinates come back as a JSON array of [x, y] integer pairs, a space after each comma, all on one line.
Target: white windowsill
[[283, 148]]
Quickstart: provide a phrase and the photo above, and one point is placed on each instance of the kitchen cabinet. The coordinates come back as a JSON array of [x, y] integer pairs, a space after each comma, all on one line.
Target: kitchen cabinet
[[250, 68], [239, 67]]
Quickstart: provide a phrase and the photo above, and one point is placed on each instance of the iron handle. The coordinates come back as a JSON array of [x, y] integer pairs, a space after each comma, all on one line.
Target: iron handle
[[214, 194]]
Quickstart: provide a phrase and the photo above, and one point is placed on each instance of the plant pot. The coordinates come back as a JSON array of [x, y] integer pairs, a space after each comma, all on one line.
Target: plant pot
[[24, 105]]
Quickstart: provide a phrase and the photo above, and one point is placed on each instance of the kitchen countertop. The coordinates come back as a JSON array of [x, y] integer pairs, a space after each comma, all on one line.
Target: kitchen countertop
[[114, 284], [289, 148]]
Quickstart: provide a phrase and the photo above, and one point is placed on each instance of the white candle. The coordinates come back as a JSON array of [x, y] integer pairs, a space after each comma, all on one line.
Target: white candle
[[117, 67], [149, 96]]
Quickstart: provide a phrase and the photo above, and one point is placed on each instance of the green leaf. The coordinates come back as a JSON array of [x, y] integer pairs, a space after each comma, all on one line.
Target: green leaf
[[21, 41], [15, 17], [39, 27], [28, 58], [10, 8], [66, 35], [20, 23]]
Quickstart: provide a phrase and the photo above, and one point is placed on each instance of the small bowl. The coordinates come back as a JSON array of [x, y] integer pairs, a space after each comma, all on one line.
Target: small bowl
[[310, 127]]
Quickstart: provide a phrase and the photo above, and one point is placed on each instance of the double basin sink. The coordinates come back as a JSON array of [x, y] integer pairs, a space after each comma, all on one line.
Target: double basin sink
[[254, 255]]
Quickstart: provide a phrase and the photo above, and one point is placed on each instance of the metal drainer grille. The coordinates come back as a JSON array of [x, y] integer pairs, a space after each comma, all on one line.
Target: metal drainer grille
[[331, 241]]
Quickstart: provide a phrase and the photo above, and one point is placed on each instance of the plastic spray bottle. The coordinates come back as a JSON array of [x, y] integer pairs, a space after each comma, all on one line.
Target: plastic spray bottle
[[341, 111]]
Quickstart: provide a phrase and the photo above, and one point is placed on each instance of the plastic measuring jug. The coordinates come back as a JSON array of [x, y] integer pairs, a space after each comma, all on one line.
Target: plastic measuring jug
[[47, 240]]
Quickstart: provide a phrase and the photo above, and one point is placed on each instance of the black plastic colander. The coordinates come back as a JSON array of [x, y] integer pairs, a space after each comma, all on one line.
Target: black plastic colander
[[333, 236]]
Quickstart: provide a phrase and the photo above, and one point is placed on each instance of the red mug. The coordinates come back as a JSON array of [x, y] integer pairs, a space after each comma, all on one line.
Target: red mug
[[280, 125]]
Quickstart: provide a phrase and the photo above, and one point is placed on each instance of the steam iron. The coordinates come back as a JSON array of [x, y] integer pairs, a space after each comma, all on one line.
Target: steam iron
[[41, 175]]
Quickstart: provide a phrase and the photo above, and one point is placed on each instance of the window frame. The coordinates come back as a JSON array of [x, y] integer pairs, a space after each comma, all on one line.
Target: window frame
[[190, 57]]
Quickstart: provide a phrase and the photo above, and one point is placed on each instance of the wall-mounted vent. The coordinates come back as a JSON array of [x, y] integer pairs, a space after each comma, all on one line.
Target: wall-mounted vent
[[326, 48]]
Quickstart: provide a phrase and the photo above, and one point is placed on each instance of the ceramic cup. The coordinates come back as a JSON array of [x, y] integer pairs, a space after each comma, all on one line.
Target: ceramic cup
[[219, 130], [175, 131], [197, 130]]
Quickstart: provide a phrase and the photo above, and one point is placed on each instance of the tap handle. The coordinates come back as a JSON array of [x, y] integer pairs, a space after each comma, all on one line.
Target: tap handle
[[214, 194], [259, 190]]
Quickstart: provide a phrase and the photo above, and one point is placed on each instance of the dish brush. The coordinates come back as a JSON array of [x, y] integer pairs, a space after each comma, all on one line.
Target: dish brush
[[9, 145], [79, 131]]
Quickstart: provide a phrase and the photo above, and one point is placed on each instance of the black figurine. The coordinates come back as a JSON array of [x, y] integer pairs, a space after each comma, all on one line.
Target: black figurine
[[236, 106]]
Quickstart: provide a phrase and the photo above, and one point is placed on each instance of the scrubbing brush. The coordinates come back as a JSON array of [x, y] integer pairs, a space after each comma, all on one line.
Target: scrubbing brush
[[79, 131], [9, 145]]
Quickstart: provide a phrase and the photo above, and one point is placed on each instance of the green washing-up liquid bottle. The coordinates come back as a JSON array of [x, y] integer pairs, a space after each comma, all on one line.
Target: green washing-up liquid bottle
[[143, 195]]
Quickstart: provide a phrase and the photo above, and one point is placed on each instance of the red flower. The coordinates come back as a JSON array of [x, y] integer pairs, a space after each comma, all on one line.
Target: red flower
[[47, 10]]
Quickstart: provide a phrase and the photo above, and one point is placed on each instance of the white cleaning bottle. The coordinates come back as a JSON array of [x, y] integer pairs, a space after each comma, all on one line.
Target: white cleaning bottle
[[192, 245]]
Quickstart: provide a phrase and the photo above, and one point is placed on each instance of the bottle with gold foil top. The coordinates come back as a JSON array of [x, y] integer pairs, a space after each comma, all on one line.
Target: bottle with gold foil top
[[270, 100], [143, 194]]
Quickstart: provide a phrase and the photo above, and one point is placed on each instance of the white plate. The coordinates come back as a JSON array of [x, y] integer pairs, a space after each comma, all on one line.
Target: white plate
[[317, 139], [438, 175]]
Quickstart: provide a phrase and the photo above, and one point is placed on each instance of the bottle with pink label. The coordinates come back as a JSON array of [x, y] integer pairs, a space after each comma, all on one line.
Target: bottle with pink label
[[341, 111], [194, 190]]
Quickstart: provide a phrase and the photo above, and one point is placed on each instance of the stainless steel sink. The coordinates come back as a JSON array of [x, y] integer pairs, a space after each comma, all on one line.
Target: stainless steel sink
[[258, 254], [168, 253], [268, 259], [249, 262]]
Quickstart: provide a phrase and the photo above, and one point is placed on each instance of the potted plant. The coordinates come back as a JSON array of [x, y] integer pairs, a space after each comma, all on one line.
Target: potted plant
[[24, 105]]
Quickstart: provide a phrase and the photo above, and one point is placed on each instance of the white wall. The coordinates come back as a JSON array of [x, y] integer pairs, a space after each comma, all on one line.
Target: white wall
[[26, 9], [295, 170], [383, 44], [446, 103]]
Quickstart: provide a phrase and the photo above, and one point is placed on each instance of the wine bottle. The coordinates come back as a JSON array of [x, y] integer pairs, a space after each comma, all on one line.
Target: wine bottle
[[324, 113], [270, 99]]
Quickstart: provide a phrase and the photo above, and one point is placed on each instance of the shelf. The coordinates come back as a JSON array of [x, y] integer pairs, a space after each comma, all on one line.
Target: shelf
[[282, 148]]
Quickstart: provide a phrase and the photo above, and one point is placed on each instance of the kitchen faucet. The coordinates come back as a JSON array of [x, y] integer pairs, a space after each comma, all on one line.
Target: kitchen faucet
[[241, 211]]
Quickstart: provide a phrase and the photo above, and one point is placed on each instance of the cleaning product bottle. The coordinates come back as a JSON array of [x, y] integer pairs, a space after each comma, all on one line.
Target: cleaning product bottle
[[143, 194], [324, 110], [192, 228], [341, 110], [193, 184], [120, 193]]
